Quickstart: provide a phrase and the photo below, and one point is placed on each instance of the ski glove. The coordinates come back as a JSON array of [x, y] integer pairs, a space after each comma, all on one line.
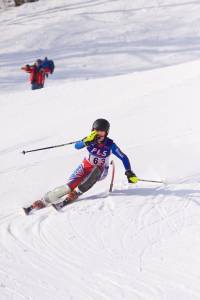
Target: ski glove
[[90, 138], [132, 178]]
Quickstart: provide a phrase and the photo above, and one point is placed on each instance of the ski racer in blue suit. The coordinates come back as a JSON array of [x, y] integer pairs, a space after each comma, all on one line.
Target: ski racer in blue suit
[[93, 168]]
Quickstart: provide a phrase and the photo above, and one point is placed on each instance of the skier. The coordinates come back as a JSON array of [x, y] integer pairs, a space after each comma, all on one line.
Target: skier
[[91, 170], [37, 74], [48, 63]]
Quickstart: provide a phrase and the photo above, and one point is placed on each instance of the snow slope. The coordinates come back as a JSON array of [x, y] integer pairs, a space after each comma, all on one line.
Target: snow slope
[[141, 242], [97, 38]]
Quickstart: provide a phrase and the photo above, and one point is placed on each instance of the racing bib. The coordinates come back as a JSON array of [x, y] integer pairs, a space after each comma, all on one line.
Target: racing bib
[[99, 161]]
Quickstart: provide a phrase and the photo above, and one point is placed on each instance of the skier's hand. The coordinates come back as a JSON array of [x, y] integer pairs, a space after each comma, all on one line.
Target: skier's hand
[[132, 178], [90, 138]]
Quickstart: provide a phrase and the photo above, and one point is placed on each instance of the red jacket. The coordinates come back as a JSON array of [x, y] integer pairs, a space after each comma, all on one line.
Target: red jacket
[[37, 75]]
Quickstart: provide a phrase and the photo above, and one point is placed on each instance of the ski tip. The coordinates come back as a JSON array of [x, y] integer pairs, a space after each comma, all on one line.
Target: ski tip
[[59, 206], [26, 210], [55, 206]]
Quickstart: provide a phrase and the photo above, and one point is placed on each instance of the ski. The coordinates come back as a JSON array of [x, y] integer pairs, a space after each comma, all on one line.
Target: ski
[[57, 206], [60, 205], [37, 205], [27, 210]]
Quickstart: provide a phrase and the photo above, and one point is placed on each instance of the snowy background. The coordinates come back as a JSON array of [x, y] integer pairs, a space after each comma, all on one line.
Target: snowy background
[[137, 64]]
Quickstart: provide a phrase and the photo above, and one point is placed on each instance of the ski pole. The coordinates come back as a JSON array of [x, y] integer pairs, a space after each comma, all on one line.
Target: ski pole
[[113, 176], [154, 181], [50, 147]]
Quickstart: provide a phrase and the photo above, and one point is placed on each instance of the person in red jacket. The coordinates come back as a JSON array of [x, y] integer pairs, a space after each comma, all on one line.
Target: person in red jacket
[[37, 74]]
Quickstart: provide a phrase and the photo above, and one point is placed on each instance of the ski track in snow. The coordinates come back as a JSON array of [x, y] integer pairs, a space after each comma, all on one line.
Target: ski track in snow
[[95, 253], [103, 38]]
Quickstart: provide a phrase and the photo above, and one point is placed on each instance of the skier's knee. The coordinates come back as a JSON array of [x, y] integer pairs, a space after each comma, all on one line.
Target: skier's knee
[[57, 193], [90, 180]]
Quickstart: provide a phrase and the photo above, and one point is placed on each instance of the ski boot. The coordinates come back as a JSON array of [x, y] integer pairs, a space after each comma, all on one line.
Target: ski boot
[[72, 196], [27, 210], [36, 205]]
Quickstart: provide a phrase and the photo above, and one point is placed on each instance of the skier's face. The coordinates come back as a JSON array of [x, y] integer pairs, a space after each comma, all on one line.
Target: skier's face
[[101, 135]]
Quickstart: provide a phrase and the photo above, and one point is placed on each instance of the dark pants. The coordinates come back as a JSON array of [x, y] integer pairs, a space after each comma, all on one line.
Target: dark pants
[[36, 86]]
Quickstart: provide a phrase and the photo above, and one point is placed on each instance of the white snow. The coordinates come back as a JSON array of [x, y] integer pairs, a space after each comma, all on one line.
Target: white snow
[[141, 242]]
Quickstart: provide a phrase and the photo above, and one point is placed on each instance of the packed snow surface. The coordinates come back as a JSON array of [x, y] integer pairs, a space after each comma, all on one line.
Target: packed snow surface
[[97, 38], [141, 242]]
